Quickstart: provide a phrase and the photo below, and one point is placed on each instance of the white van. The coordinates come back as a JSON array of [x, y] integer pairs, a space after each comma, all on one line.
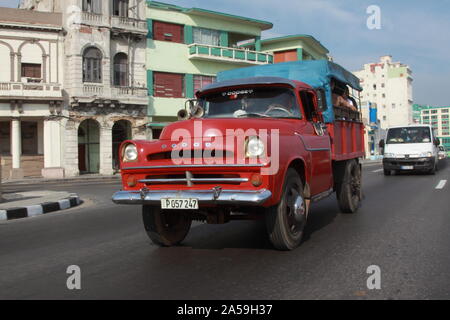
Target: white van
[[410, 148]]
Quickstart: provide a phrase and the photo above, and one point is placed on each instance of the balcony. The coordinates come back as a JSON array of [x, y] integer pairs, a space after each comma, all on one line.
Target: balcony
[[93, 19], [120, 92], [127, 95], [129, 25], [232, 55], [30, 90]]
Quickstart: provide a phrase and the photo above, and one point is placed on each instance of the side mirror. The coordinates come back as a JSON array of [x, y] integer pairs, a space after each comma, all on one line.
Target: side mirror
[[437, 142], [381, 144]]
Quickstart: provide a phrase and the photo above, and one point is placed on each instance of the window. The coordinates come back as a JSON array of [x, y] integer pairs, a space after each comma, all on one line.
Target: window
[[426, 118], [120, 8], [92, 6], [121, 70], [307, 99], [434, 117], [426, 112], [384, 118], [206, 36], [31, 70], [383, 85], [164, 31], [433, 111], [445, 116], [202, 81], [384, 95], [92, 65], [393, 106], [444, 111], [5, 137], [168, 85]]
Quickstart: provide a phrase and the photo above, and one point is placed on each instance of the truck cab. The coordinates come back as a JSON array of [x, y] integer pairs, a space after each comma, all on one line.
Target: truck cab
[[256, 147], [410, 148]]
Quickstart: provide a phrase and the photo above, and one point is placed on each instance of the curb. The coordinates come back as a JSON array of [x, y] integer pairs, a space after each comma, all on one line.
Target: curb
[[63, 181], [36, 210]]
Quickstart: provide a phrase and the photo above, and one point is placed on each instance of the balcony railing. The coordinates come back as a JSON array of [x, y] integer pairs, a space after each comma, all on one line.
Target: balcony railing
[[129, 92], [30, 90], [129, 24], [93, 19], [91, 89], [207, 52]]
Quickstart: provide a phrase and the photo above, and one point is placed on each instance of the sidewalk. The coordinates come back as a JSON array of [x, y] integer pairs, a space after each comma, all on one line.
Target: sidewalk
[[32, 203], [83, 178]]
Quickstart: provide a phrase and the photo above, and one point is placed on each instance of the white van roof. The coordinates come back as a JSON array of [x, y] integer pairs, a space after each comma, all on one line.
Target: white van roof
[[411, 126]]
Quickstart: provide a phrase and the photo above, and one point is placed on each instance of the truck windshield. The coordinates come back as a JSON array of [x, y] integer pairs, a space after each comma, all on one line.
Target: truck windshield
[[409, 135], [252, 102]]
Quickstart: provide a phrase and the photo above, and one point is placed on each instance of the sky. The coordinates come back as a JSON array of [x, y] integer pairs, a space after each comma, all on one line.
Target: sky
[[413, 32]]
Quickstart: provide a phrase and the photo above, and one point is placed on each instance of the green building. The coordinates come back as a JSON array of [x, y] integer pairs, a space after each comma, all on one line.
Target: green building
[[438, 117], [187, 47]]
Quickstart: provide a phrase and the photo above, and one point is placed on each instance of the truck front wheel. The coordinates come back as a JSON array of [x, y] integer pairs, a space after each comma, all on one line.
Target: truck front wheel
[[348, 190], [286, 221], [166, 228]]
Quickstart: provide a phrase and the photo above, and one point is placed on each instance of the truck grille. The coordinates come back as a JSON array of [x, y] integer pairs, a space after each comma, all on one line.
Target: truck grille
[[191, 179]]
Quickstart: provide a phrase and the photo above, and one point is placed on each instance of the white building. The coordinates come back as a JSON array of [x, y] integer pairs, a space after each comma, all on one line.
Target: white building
[[388, 86], [105, 90], [31, 95]]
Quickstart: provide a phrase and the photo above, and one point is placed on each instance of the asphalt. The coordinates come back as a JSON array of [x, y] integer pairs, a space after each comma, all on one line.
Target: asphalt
[[402, 227]]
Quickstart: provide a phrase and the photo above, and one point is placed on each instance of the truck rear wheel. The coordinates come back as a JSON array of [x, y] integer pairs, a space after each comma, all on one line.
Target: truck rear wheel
[[166, 228], [348, 190], [286, 221]]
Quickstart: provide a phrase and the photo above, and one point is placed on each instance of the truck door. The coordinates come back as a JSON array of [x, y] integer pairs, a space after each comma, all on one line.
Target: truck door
[[317, 142]]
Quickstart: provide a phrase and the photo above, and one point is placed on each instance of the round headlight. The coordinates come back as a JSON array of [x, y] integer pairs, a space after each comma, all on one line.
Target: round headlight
[[255, 147], [130, 153]]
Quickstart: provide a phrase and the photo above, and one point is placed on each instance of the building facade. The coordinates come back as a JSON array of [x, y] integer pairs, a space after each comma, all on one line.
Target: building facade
[[187, 47], [388, 86], [105, 90], [438, 117], [31, 93]]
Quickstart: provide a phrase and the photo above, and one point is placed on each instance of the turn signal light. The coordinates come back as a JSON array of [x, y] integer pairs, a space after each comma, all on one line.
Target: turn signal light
[[256, 180], [131, 181]]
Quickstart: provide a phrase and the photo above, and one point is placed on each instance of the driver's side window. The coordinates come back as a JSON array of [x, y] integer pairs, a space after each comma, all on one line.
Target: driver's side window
[[307, 99]]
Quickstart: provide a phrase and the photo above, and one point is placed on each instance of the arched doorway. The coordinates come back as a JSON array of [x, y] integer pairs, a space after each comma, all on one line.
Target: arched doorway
[[89, 147], [121, 131]]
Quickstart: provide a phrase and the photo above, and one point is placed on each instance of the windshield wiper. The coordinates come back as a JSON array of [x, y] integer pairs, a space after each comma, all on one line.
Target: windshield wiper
[[256, 115]]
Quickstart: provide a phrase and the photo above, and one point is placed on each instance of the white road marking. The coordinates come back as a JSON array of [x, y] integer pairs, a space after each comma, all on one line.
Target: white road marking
[[441, 184], [379, 170]]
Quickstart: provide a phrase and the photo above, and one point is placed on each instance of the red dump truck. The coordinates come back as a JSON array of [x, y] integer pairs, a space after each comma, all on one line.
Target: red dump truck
[[262, 143]]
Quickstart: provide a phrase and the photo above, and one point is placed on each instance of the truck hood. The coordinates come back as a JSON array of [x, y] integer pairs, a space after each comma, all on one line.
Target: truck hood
[[198, 128], [411, 149]]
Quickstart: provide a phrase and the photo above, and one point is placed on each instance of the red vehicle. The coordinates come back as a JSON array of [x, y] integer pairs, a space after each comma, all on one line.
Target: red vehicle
[[253, 148]]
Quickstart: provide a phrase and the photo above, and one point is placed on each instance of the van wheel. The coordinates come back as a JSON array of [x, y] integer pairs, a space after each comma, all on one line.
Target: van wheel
[[286, 221], [166, 228], [348, 191]]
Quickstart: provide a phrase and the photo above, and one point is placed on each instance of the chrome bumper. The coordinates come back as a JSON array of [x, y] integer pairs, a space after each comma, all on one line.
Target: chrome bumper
[[222, 197]]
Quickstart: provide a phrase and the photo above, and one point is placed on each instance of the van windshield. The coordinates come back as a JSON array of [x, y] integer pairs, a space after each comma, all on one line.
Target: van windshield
[[409, 135], [251, 102]]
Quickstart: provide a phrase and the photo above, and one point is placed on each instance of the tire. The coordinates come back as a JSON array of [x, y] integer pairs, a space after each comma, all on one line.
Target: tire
[[387, 172], [166, 228], [433, 170], [286, 221], [348, 191]]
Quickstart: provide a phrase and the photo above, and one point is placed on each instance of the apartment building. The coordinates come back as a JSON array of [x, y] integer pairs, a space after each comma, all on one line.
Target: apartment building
[[388, 86], [105, 90], [187, 47], [439, 118], [31, 93]]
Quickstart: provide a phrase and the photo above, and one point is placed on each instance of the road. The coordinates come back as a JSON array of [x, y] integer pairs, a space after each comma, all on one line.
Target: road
[[403, 227]]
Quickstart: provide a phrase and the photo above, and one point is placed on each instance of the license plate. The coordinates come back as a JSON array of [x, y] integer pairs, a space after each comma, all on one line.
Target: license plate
[[407, 168], [179, 204]]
